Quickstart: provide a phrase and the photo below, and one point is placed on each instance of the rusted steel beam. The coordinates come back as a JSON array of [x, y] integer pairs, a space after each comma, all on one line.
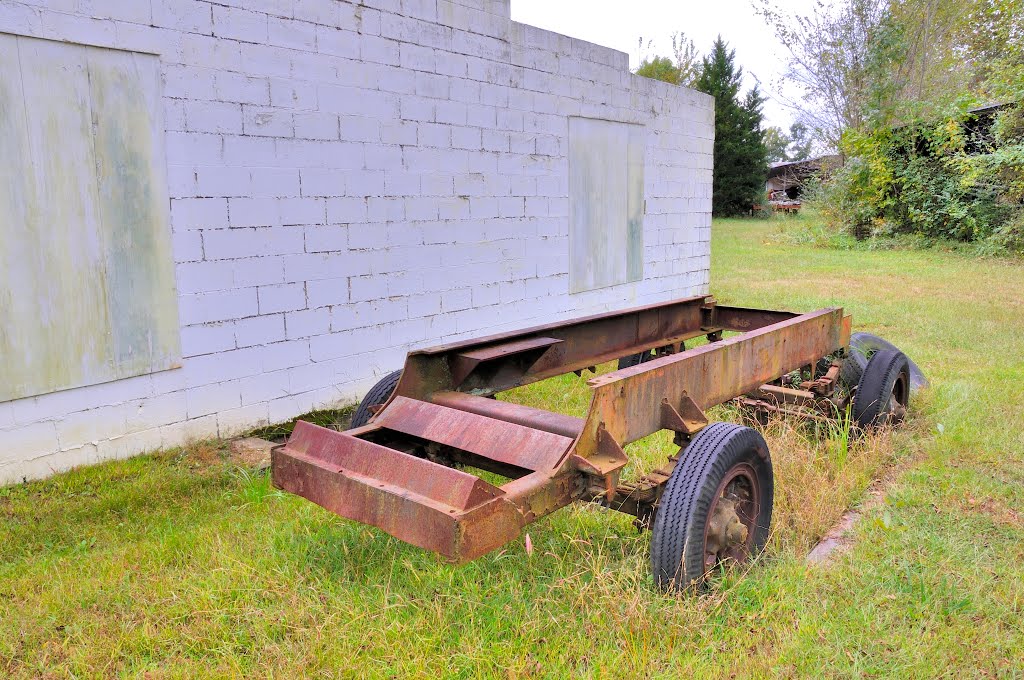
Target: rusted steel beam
[[627, 403], [745, 319], [566, 347], [783, 395], [538, 419]]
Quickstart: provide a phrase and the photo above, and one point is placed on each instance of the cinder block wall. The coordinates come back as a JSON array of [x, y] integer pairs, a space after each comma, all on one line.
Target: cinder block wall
[[349, 181]]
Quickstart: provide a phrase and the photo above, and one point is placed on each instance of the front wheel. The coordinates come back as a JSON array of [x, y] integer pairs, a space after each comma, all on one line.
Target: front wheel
[[716, 509]]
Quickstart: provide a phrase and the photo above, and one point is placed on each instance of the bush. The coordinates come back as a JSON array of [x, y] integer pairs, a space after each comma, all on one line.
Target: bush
[[955, 180]]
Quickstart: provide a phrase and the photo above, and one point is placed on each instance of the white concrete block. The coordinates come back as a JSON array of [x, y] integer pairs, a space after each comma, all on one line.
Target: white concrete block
[[295, 35], [199, 213], [340, 43], [326, 238], [307, 323], [282, 355], [218, 306], [189, 16], [223, 182], [213, 117], [316, 125], [275, 183], [345, 210], [239, 24], [327, 292], [28, 441], [204, 277], [302, 211], [242, 89], [285, 297], [317, 11], [316, 266], [236, 421], [325, 182], [360, 129], [225, 244], [259, 330], [266, 122], [207, 339]]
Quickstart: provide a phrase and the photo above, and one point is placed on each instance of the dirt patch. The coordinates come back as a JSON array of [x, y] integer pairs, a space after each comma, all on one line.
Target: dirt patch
[[251, 452]]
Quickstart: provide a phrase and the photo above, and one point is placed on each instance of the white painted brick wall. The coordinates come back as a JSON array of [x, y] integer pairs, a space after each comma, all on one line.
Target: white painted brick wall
[[349, 180]]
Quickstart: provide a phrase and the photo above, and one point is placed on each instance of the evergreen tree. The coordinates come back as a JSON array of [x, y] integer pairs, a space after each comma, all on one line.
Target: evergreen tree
[[741, 158]]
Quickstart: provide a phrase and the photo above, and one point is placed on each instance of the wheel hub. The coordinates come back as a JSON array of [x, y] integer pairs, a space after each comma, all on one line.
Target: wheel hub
[[731, 518], [725, 531]]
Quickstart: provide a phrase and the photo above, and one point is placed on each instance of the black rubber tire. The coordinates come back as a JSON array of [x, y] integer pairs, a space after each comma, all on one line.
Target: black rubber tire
[[886, 375], [680, 520], [862, 347], [635, 359], [377, 395]]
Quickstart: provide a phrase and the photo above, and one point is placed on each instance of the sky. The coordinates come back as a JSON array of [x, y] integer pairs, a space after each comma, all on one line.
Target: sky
[[620, 25]]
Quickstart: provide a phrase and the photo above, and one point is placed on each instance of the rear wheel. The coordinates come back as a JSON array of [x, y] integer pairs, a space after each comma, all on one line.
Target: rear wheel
[[863, 346], [377, 395], [635, 359], [716, 509], [883, 393]]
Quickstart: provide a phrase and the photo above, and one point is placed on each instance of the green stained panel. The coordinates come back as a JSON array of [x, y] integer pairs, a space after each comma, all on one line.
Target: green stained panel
[[87, 289]]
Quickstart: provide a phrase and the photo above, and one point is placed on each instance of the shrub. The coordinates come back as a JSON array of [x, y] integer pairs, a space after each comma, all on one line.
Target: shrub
[[954, 180]]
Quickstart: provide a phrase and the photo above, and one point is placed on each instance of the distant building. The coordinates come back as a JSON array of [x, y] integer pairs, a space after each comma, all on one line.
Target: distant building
[[790, 178]]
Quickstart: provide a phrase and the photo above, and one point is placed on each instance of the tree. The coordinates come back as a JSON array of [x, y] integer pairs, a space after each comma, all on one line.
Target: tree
[[741, 158], [681, 69], [776, 142], [864, 64], [782, 147], [659, 68], [800, 142]]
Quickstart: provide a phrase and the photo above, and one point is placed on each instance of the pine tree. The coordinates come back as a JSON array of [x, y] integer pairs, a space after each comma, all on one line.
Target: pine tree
[[741, 157]]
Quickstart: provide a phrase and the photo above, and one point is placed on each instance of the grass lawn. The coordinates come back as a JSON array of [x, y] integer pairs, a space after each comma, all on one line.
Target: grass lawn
[[178, 564]]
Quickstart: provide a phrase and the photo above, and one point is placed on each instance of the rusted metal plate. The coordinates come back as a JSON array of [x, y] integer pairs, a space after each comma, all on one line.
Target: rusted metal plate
[[526, 351], [507, 348], [351, 455], [538, 419], [498, 440]]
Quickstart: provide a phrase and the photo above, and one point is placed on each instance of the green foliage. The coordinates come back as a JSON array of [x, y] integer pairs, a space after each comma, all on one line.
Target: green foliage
[[800, 142], [741, 157], [681, 69], [775, 144], [959, 179], [782, 147], [659, 68]]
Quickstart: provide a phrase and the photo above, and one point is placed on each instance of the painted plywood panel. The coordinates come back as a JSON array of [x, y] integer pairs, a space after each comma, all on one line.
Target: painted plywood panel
[[606, 196], [87, 289]]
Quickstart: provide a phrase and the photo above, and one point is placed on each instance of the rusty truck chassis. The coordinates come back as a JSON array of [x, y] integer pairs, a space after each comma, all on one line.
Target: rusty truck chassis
[[401, 472]]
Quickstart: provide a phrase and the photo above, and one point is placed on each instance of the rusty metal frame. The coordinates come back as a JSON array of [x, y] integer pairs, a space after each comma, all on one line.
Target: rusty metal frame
[[394, 473]]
